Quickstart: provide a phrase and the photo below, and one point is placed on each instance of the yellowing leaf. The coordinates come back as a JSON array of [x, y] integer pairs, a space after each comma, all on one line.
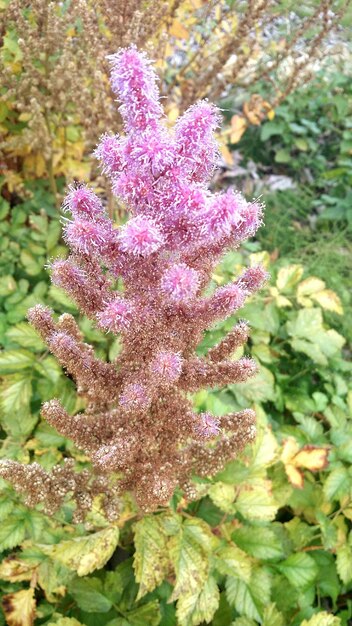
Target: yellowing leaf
[[329, 300], [238, 126], [150, 558], [222, 495], [15, 570], [173, 113], [19, 608], [256, 501], [309, 457], [288, 276], [322, 619], [310, 285], [260, 258], [85, 554], [178, 30], [270, 114]]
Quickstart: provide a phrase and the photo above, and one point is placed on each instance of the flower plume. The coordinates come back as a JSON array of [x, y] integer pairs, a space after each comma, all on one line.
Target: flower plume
[[140, 428]]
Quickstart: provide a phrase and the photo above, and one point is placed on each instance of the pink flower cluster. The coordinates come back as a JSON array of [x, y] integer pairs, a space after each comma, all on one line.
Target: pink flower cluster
[[139, 410]]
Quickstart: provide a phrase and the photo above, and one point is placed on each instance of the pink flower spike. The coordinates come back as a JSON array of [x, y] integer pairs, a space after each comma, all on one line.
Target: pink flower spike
[[226, 300], [135, 396], [109, 152], [84, 236], [167, 366], [223, 214], [117, 316], [140, 236], [134, 81], [254, 278], [180, 283], [82, 202], [208, 425]]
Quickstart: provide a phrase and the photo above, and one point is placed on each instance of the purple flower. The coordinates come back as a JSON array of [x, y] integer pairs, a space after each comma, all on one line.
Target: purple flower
[[167, 366], [207, 425], [116, 316], [140, 236], [180, 283], [135, 396]]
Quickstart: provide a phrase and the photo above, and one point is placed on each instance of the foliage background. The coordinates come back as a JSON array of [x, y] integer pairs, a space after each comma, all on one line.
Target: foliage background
[[269, 540]]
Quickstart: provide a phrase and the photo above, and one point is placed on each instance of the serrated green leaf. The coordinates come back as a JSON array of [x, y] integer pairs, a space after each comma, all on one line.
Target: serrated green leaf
[[24, 335], [322, 619], [337, 483], [223, 496], [194, 608], [148, 613], [273, 617], [12, 532], [257, 502], [232, 561], [84, 554], [261, 542], [344, 563], [151, 558], [13, 360], [300, 569], [66, 621], [250, 598], [188, 552], [89, 595]]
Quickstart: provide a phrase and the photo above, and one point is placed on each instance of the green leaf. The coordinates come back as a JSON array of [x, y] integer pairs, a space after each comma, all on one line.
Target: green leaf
[[232, 561], [194, 608], [13, 360], [309, 336], [31, 264], [344, 563], [24, 335], [146, 614], [189, 551], [273, 617], [250, 599], [300, 569], [282, 156], [337, 483], [88, 593], [84, 554], [15, 396], [223, 496], [261, 542], [257, 502], [151, 558], [260, 388], [66, 621], [12, 532], [322, 619]]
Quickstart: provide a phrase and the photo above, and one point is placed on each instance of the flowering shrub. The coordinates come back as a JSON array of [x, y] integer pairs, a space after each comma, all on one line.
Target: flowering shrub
[[139, 427]]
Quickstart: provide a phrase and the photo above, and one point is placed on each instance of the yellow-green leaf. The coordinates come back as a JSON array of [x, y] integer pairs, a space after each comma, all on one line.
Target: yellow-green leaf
[[19, 608], [85, 554], [150, 558]]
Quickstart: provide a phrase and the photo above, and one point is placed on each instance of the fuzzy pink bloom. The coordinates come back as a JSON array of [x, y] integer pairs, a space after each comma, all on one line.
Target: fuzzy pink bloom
[[135, 395], [195, 142], [109, 152], [223, 214], [167, 366], [133, 188], [134, 81], [140, 236], [252, 213], [82, 202], [65, 273], [153, 151], [207, 425], [85, 236], [226, 300], [117, 315], [180, 283], [254, 278]]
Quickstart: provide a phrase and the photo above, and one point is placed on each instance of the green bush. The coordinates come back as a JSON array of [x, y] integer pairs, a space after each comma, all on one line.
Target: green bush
[[266, 542]]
